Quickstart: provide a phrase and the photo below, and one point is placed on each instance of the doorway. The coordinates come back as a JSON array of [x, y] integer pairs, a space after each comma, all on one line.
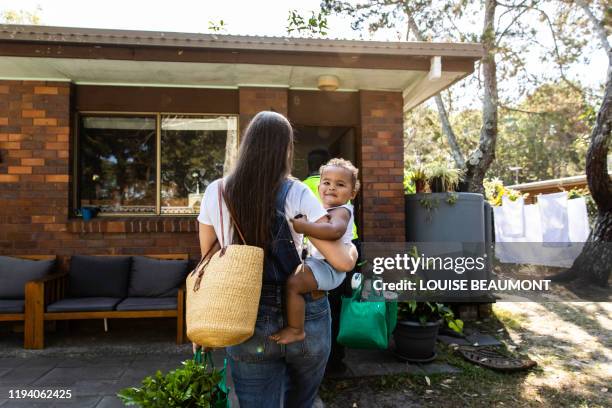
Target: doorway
[[339, 141]]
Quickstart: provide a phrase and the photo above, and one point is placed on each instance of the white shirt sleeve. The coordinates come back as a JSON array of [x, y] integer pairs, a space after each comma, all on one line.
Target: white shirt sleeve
[[301, 200], [208, 205]]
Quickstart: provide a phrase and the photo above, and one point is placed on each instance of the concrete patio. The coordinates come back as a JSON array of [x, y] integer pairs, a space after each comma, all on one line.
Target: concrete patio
[[95, 365]]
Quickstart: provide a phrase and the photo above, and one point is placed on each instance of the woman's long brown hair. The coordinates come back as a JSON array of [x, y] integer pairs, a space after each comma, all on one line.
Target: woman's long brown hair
[[263, 163]]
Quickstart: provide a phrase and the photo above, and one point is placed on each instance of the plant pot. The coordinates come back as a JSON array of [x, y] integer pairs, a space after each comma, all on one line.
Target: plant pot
[[437, 185], [420, 186], [88, 213], [415, 342]]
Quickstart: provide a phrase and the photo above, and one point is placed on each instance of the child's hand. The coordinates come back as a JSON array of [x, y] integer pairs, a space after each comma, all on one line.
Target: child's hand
[[299, 222]]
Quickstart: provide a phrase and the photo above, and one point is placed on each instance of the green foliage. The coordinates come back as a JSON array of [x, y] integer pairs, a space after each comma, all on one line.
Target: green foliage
[[441, 177], [217, 27], [193, 385], [414, 176], [424, 312], [548, 138], [451, 198], [21, 16], [409, 185], [315, 25], [495, 190]]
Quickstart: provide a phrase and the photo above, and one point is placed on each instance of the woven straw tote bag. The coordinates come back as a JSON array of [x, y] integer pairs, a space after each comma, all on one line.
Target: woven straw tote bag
[[223, 291]]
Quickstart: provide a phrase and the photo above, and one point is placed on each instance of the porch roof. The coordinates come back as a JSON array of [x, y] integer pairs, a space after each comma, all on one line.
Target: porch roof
[[152, 58]]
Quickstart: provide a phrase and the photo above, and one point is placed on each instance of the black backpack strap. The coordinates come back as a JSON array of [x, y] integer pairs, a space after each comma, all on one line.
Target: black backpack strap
[[281, 197]]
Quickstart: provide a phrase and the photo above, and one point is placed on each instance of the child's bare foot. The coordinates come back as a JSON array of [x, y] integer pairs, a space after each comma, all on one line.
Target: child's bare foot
[[288, 335]]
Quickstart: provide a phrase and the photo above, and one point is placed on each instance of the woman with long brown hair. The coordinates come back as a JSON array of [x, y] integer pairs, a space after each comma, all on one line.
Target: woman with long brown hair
[[263, 197]]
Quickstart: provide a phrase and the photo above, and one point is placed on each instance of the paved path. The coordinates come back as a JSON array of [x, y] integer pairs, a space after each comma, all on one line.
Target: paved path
[[95, 365]]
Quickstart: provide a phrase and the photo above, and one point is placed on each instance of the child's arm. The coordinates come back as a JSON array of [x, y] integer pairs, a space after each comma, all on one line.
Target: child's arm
[[330, 231]]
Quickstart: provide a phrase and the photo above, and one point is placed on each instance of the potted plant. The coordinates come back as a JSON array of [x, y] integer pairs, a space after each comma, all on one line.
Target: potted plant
[[417, 329], [419, 178], [442, 178]]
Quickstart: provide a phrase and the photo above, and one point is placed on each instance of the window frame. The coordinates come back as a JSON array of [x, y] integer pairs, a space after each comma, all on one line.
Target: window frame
[[158, 117]]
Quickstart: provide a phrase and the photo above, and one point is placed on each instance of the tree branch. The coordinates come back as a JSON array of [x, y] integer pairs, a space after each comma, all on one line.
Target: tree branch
[[597, 26], [444, 120]]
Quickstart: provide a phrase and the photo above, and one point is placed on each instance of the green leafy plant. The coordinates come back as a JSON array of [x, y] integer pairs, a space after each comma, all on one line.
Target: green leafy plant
[[495, 190], [315, 25], [451, 198], [442, 178], [424, 312], [430, 204], [192, 385]]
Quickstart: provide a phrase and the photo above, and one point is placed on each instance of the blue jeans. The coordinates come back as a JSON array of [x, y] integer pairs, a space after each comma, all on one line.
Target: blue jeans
[[269, 375]]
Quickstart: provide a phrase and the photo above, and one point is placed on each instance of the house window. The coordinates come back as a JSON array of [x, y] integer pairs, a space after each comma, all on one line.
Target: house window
[[151, 164]]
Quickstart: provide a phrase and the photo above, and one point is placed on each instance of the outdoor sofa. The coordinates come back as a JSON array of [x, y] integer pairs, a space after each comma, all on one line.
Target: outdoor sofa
[[113, 286], [15, 272]]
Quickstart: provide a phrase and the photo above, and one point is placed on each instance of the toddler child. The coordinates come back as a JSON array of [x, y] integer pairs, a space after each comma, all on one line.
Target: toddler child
[[339, 184]]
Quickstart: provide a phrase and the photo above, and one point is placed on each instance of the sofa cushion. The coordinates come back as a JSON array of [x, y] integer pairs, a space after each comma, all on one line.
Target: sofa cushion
[[99, 276], [84, 304], [155, 277], [12, 306], [15, 272], [147, 303]]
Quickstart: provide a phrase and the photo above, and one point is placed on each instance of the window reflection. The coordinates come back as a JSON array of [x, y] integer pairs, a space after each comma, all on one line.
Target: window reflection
[[118, 164], [193, 154]]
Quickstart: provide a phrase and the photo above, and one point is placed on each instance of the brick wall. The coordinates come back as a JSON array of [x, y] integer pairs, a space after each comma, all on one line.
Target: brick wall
[[35, 186], [35, 176], [382, 166], [254, 100]]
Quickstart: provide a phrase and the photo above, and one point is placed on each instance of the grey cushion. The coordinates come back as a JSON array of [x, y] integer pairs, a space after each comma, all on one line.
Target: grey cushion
[[155, 277], [12, 306], [84, 304], [143, 303], [99, 276], [15, 272]]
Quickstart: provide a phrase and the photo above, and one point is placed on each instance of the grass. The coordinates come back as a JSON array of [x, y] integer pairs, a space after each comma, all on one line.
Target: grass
[[474, 386]]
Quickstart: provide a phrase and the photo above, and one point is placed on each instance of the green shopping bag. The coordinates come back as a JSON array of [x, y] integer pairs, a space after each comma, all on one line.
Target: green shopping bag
[[366, 324], [222, 391]]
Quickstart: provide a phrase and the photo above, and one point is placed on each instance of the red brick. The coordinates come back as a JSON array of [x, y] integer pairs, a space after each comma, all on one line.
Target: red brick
[[56, 146], [45, 90], [30, 113], [57, 178], [20, 170], [45, 122], [33, 162], [43, 219], [8, 178], [20, 153], [16, 137]]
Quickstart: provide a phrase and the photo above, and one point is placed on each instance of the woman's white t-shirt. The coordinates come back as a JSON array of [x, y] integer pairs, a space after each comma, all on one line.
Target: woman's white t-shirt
[[300, 200]]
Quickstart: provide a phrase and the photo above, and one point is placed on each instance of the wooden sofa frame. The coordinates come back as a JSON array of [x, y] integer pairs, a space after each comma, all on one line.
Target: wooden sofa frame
[[42, 292], [18, 317]]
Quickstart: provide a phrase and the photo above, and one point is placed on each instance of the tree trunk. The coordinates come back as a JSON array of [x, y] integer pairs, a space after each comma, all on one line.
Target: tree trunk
[[442, 114], [594, 263], [479, 161]]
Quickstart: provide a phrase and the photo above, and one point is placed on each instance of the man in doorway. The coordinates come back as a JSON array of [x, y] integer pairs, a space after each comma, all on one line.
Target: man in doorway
[[335, 365]]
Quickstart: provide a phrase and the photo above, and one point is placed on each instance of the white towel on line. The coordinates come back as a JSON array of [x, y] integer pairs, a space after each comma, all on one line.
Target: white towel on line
[[578, 220], [553, 215], [514, 217]]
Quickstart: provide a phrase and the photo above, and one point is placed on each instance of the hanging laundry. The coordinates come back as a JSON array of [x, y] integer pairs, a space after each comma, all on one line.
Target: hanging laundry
[[514, 217], [553, 215], [578, 220]]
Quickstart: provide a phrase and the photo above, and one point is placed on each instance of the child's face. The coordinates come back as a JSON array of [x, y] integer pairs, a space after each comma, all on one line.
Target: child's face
[[335, 187]]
